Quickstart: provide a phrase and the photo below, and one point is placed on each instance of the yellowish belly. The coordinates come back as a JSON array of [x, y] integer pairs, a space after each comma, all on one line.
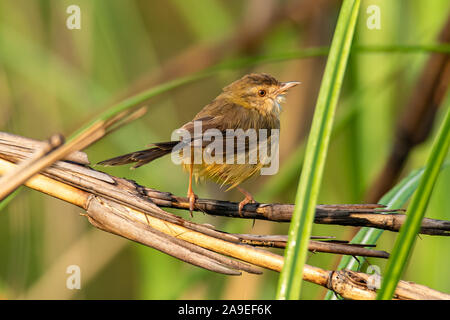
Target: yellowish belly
[[224, 174]]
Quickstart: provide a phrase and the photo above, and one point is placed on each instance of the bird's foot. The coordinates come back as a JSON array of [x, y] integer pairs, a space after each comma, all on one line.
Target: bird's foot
[[248, 199], [192, 197]]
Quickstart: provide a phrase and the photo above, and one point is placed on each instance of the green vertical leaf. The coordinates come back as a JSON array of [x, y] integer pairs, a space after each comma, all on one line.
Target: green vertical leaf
[[393, 199], [415, 212], [307, 193]]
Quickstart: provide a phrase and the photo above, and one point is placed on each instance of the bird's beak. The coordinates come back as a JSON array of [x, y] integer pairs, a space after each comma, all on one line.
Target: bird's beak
[[286, 86]]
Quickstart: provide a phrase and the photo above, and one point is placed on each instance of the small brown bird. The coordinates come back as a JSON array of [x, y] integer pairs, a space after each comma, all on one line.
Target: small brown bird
[[250, 103]]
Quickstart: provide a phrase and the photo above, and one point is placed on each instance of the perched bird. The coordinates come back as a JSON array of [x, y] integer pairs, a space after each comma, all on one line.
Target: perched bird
[[250, 103]]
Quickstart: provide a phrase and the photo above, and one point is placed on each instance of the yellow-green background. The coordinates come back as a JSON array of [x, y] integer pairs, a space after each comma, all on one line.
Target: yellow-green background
[[53, 79]]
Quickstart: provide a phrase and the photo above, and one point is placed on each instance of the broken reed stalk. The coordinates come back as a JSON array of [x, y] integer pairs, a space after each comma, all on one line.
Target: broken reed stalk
[[204, 249], [27, 168], [279, 241], [135, 195], [55, 149], [361, 215], [132, 195]]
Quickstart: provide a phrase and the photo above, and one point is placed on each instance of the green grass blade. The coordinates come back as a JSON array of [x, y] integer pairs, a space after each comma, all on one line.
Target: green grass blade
[[244, 62], [142, 97], [4, 203], [416, 211], [404, 48], [300, 228], [238, 63], [394, 199]]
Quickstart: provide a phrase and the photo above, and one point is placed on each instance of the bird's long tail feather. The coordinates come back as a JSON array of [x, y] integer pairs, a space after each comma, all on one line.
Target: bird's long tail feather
[[141, 157]]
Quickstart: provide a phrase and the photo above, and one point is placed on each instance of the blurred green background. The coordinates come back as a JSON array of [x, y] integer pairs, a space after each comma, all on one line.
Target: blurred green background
[[53, 79]]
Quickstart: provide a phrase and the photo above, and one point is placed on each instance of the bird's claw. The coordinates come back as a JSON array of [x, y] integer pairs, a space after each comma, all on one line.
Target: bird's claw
[[247, 199], [192, 197]]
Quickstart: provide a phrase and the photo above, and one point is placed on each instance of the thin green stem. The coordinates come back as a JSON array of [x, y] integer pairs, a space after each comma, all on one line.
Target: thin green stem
[[416, 211], [290, 280], [244, 62]]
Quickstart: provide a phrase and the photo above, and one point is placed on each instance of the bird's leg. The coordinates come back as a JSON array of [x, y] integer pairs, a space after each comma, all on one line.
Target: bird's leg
[[248, 199], [190, 194]]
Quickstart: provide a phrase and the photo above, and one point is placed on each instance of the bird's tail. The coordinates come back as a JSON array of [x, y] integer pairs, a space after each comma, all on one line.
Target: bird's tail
[[142, 157]]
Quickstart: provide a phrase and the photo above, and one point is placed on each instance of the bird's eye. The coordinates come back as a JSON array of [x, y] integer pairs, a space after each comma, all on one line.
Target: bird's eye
[[262, 93]]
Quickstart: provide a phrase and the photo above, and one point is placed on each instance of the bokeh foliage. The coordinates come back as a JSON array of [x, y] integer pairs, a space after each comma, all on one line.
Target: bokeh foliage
[[55, 80]]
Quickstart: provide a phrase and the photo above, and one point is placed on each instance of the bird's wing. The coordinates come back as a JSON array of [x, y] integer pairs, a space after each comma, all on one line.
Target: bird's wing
[[216, 120]]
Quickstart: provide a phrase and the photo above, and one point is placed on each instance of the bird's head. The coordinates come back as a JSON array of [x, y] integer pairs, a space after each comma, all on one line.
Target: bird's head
[[259, 91]]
